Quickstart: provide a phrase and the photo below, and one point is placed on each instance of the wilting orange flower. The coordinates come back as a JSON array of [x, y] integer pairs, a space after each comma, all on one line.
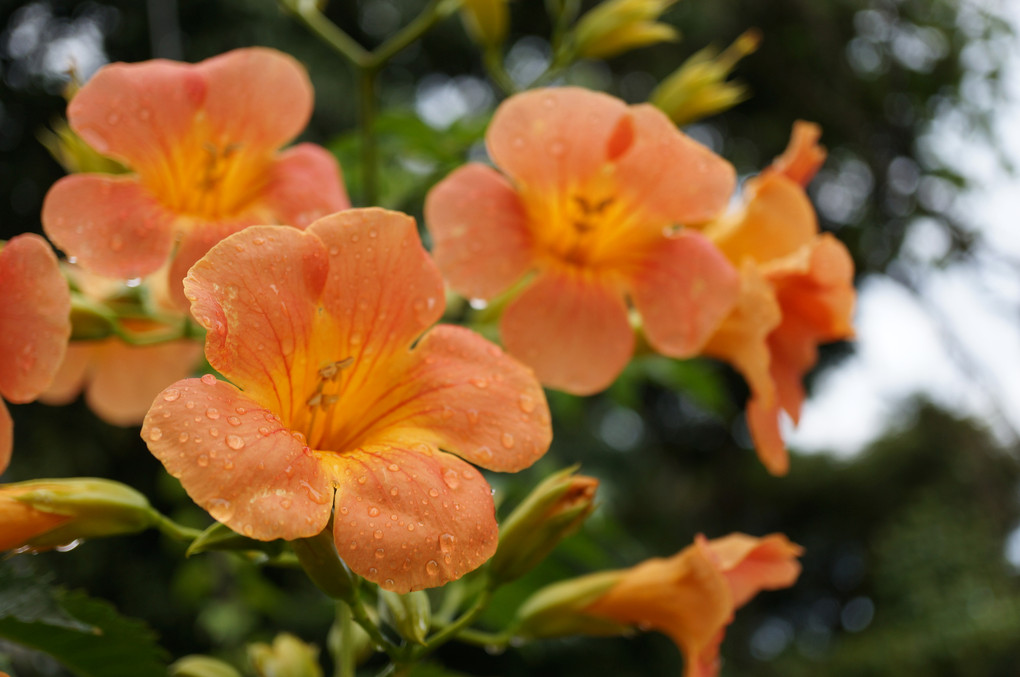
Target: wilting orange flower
[[796, 291], [202, 140], [595, 193], [315, 330], [35, 306], [692, 596]]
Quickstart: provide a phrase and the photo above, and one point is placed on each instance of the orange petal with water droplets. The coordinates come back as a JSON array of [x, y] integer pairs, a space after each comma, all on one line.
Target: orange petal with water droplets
[[236, 460], [751, 564], [383, 288], [6, 437], [304, 185], [34, 317], [776, 221], [550, 139], [257, 293], [698, 183], [466, 396], [742, 338], [479, 231], [683, 289], [803, 156], [257, 97], [411, 519], [572, 329], [110, 224]]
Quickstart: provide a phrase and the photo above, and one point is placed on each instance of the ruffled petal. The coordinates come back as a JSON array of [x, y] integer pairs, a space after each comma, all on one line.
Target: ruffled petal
[[236, 460], [257, 295], [572, 329], [742, 338], [35, 307], [683, 289], [550, 139], [383, 288], [751, 564], [479, 231], [803, 156], [125, 378], [111, 225], [138, 113], [671, 175], [465, 395], [777, 220], [411, 519], [304, 185], [6, 437]]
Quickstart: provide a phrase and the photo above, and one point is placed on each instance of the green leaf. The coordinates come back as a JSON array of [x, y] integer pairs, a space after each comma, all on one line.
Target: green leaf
[[87, 635]]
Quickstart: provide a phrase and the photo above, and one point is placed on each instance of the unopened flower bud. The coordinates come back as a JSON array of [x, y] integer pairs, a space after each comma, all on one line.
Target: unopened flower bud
[[558, 610], [319, 558], [410, 614], [555, 509], [618, 26], [201, 666], [49, 513], [485, 21], [698, 88], [287, 657]]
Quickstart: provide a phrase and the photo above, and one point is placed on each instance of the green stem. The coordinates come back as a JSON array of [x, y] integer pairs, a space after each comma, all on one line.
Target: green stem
[[174, 530], [315, 21], [453, 629], [421, 24], [344, 660], [485, 639], [493, 60], [369, 150]]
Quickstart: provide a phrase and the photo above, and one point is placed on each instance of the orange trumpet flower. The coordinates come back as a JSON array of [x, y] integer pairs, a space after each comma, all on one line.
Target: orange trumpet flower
[[315, 331], [587, 217], [202, 140]]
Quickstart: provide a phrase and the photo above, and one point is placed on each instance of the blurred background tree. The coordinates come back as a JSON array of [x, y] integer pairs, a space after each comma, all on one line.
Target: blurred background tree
[[906, 569]]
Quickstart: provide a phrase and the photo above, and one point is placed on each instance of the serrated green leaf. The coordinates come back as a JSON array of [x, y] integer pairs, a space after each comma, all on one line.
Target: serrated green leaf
[[31, 599]]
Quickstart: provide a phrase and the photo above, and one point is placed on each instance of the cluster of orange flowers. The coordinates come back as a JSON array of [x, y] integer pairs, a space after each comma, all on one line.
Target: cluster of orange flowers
[[342, 400]]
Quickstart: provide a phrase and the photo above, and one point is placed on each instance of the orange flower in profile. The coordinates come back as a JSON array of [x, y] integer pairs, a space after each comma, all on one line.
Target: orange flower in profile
[[35, 307], [796, 291], [596, 193], [202, 140], [315, 330], [692, 596]]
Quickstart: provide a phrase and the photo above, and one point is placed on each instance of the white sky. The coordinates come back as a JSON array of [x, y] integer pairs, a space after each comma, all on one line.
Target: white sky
[[901, 349]]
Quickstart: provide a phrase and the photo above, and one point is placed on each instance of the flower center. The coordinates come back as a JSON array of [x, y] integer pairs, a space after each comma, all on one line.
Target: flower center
[[323, 400]]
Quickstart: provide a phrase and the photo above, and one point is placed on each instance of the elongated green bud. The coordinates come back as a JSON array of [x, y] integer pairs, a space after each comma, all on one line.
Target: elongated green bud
[[201, 666], [410, 614], [287, 657], [319, 558]]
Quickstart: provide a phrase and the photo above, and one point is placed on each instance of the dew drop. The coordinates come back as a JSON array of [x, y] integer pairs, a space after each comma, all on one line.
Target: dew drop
[[472, 415], [527, 404], [362, 479], [432, 567], [508, 440], [212, 412], [378, 534], [380, 553], [451, 478], [394, 491], [155, 435], [234, 421], [203, 460], [171, 395], [484, 454], [446, 542], [479, 382], [393, 467], [183, 437], [373, 512], [235, 442], [433, 492], [264, 431]]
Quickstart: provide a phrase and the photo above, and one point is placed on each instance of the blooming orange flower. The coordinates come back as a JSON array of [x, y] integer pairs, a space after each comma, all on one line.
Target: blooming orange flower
[[692, 596], [796, 291], [35, 306], [315, 330], [595, 193], [202, 140]]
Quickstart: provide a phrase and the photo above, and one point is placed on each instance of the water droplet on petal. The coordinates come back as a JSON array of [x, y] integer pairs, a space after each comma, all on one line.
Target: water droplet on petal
[[433, 492], [393, 467], [235, 442], [171, 394], [234, 421], [380, 553], [212, 412], [479, 382], [203, 460], [155, 435], [484, 454], [446, 542], [508, 440], [183, 437], [378, 534], [373, 512], [432, 567], [209, 379], [527, 404], [451, 478]]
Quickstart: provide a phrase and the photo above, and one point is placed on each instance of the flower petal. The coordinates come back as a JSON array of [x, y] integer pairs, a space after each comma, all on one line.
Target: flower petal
[[803, 156], [411, 519], [549, 139], [304, 185], [136, 113], [751, 564], [125, 378], [110, 224], [237, 460], [683, 288], [382, 287], [6, 437], [465, 395], [479, 231], [257, 293], [777, 220], [698, 183], [572, 329], [70, 377], [21, 521], [34, 317], [742, 338], [763, 422]]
